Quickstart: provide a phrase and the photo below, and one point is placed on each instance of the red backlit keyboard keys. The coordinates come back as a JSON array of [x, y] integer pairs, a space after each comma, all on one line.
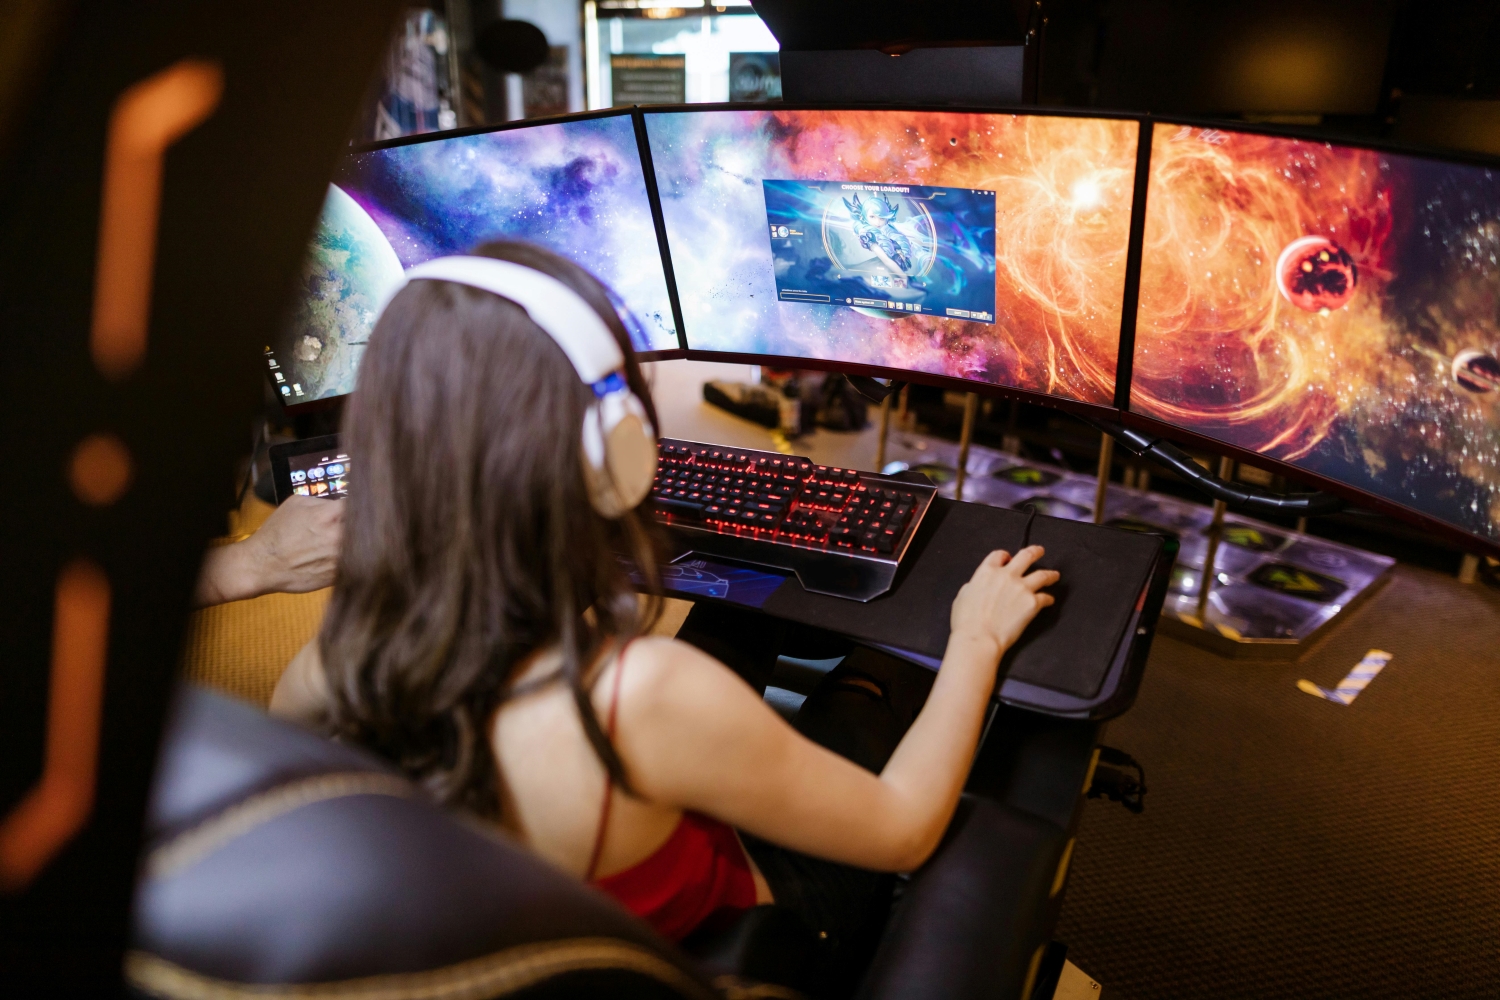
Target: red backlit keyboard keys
[[762, 499]]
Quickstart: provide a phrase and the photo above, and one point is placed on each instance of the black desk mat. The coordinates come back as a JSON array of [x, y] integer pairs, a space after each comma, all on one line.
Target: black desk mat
[[1069, 647]]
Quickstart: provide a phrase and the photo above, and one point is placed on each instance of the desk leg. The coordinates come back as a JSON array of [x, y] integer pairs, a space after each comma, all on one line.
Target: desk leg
[[885, 430], [1106, 462], [1468, 571], [1215, 529], [971, 404]]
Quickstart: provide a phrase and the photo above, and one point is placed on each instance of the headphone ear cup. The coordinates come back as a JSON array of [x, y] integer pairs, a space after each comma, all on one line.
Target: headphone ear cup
[[619, 447]]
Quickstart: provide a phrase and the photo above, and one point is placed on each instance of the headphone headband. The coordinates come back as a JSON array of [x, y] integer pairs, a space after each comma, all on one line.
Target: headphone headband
[[552, 305], [619, 443]]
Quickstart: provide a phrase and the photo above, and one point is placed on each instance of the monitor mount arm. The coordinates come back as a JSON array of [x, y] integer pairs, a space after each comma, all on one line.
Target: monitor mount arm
[[874, 389], [1236, 495]]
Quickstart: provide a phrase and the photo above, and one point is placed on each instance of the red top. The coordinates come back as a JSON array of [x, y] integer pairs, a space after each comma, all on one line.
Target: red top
[[700, 870]]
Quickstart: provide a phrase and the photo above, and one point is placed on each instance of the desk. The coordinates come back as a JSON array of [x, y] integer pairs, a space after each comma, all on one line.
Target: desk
[[1080, 659]]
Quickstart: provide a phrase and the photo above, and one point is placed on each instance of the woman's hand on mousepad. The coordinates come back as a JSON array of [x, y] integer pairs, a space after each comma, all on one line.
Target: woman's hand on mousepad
[[1068, 647]]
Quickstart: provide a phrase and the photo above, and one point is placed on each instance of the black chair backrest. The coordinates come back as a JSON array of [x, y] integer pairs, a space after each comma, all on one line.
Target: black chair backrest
[[239, 154], [277, 857]]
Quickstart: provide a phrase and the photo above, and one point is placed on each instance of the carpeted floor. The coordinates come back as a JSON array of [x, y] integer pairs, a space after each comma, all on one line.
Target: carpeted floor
[[1293, 847]]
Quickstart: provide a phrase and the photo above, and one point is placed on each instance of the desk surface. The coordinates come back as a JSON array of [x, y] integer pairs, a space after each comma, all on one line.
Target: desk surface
[[1068, 648], [1083, 665]]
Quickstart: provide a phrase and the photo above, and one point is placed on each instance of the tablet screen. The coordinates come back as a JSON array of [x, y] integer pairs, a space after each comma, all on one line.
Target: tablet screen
[[320, 474]]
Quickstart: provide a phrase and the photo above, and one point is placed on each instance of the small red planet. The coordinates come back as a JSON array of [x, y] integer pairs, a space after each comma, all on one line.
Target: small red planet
[[1476, 371], [1316, 274]]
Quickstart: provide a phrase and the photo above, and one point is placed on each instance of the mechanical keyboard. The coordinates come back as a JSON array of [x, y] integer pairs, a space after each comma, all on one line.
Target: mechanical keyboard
[[842, 532]]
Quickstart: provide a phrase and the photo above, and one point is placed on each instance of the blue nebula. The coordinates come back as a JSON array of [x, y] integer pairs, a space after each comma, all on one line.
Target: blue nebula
[[576, 188]]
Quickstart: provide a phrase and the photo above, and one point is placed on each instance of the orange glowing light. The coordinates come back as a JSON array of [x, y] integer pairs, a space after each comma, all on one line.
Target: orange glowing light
[[147, 119], [59, 804]]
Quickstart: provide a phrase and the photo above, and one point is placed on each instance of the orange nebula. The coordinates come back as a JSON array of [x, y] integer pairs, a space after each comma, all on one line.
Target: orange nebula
[[1062, 214], [1218, 347]]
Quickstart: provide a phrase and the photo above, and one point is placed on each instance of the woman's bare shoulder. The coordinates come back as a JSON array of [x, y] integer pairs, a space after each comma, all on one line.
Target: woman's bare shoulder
[[662, 656], [667, 675], [301, 693]]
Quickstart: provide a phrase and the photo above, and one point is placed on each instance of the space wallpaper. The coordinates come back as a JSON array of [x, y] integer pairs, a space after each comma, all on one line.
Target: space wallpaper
[[1332, 307], [1062, 217], [576, 188]]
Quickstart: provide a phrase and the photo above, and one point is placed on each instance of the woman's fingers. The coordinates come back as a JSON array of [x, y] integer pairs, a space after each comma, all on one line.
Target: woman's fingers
[[997, 558], [1023, 559], [1045, 600], [1041, 578]]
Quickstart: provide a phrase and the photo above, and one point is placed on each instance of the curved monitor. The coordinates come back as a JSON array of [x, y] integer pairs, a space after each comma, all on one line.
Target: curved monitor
[[576, 187], [985, 248], [1332, 307]]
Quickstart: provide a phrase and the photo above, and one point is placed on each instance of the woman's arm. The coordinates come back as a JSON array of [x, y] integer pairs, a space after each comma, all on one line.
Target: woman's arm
[[694, 735], [295, 551]]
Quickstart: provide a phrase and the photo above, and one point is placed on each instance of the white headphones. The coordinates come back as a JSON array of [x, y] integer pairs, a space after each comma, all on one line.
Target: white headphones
[[619, 443]]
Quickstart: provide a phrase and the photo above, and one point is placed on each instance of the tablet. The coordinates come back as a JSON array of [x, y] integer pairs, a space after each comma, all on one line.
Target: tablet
[[315, 467]]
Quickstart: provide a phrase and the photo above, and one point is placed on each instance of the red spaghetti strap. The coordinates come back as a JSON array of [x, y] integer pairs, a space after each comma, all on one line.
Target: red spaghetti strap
[[609, 783]]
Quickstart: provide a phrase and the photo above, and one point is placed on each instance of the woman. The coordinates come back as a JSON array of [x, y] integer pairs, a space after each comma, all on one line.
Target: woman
[[484, 635]]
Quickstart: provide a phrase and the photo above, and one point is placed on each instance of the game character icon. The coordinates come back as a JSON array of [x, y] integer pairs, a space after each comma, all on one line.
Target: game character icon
[[874, 221]]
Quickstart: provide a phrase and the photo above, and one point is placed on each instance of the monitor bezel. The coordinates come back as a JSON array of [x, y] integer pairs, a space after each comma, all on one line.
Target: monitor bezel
[[1283, 130], [1465, 540], [1066, 403], [1019, 110], [992, 389]]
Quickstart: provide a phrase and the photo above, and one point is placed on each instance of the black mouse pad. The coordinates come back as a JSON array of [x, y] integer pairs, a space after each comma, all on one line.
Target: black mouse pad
[[1068, 647]]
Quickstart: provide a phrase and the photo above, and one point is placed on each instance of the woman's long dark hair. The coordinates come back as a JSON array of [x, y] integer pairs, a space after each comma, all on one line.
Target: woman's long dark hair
[[470, 541]]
